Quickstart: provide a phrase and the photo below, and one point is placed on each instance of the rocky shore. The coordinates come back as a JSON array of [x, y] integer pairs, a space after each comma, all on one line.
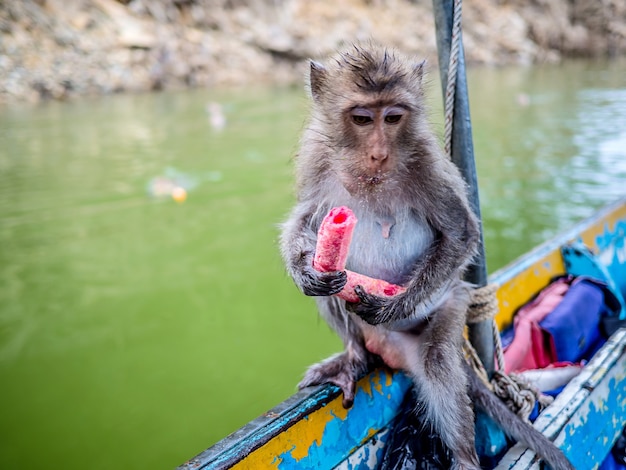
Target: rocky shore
[[55, 49]]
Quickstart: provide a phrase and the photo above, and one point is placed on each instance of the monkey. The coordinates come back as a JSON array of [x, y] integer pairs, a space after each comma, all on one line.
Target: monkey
[[368, 145]]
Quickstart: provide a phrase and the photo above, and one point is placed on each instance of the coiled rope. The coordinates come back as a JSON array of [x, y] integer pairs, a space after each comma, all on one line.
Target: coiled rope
[[519, 396]]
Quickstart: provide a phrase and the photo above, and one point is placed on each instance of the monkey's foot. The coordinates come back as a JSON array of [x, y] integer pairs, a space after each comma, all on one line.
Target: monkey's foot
[[340, 370]]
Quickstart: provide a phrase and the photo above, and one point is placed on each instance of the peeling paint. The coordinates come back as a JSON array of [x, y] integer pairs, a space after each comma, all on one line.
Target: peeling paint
[[377, 383], [333, 433], [598, 421]]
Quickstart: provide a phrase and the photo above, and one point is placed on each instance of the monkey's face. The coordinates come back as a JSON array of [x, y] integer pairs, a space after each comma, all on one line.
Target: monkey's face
[[368, 110], [370, 153]]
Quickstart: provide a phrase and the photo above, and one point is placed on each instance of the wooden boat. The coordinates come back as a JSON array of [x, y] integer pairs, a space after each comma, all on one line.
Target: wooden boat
[[312, 430]]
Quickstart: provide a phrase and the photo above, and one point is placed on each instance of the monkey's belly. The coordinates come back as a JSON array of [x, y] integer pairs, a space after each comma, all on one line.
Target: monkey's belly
[[388, 247], [394, 348]]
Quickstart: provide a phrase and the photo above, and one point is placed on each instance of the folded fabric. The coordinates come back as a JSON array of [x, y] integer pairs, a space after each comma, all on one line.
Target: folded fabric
[[553, 377], [521, 353], [562, 324], [571, 330]]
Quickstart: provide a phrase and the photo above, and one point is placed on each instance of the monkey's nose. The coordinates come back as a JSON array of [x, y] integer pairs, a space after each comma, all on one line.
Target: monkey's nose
[[377, 160], [378, 157]]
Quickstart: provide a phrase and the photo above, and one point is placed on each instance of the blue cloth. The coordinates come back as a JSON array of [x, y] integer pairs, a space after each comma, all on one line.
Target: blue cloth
[[574, 324]]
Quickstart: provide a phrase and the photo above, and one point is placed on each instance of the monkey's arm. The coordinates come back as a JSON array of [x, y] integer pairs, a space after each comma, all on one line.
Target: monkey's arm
[[297, 243], [456, 241]]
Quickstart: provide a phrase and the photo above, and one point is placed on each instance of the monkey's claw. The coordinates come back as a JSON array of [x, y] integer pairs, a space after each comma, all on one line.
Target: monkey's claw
[[337, 370]]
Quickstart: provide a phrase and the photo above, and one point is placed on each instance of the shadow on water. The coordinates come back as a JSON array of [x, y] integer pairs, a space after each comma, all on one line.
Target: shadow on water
[[136, 330]]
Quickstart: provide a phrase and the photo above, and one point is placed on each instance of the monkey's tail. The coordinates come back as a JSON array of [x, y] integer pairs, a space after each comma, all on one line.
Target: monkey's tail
[[513, 426]]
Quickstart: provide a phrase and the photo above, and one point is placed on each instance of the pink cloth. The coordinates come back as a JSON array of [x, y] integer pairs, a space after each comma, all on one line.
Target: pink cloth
[[531, 348]]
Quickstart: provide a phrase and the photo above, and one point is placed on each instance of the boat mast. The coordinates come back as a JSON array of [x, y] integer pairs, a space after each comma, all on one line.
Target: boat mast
[[461, 150]]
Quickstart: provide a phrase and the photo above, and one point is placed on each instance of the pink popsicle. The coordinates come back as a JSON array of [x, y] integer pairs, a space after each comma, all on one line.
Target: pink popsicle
[[333, 240], [331, 253]]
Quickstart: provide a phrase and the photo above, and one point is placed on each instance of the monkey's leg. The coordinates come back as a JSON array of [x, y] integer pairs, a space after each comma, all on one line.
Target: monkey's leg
[[441, 381], [345, 368]]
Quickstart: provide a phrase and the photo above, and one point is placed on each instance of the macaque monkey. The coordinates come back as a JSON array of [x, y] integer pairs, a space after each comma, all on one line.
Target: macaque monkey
[[368, 146]]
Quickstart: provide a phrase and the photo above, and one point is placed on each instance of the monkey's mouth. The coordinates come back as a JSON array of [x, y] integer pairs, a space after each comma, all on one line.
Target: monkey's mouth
[[373, 178], [371, 181], [363, 182]]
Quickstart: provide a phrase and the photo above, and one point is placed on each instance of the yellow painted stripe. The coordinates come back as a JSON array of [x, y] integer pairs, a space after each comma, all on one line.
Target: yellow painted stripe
[[303, 440], [298, 438], [522, 287]]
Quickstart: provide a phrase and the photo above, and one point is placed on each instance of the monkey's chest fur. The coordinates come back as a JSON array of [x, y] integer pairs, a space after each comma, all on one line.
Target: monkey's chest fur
[[387, 246]]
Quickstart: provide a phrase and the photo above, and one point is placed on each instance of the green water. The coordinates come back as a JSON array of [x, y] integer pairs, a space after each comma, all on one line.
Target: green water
[[137, 331]]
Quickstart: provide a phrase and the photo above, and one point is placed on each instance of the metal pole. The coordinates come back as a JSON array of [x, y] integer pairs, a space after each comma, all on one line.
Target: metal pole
[[480, 334]]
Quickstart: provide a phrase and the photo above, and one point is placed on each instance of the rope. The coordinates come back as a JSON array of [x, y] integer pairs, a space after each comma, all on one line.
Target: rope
[[519, 396], [497, 343], [483, 307], [455, 46]]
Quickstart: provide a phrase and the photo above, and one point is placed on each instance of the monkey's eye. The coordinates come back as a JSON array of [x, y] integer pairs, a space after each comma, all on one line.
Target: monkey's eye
[[393, 114], [393, 118], [361, 120]]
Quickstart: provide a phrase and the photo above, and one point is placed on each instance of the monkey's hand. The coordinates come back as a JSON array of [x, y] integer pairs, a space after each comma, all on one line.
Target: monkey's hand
[[316, 283], [375, 309], [397, 311]]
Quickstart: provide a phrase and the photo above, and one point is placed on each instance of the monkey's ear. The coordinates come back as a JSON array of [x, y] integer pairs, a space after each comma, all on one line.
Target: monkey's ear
[[317, 78], [418, 71]]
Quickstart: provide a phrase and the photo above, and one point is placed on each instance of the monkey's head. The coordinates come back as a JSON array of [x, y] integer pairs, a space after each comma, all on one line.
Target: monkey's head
[[368, 105]]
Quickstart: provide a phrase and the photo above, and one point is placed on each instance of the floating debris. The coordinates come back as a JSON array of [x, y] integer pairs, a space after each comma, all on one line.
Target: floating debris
[[162, 187], [176, 184], [179, 194], [173, 183], [216, 115]]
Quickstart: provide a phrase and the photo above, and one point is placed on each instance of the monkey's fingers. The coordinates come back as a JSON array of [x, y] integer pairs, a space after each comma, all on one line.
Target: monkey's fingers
[[337, 370], [371, 308], [317, 284]]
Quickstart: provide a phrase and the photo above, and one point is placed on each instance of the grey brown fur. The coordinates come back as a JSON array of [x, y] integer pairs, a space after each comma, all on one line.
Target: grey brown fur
[[368, 146]]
